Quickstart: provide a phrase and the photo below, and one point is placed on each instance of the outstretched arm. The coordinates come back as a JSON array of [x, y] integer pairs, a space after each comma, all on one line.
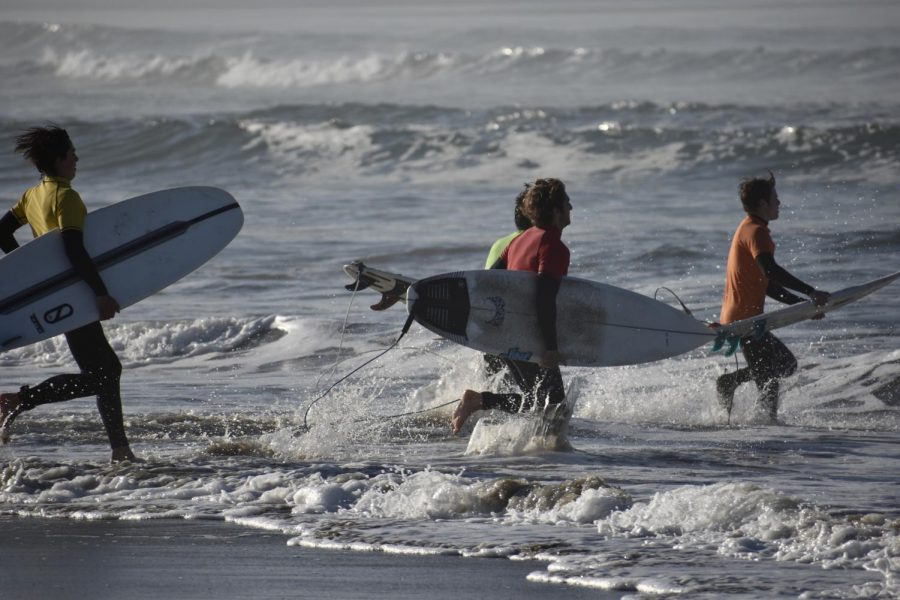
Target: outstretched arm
[[547, 290], [777, 292], [779, 279], [73, 243]]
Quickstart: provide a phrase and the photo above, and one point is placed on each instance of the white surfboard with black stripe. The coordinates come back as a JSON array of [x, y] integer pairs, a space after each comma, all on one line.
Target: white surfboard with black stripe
[[597, 324], [729, 335], [139, 245]]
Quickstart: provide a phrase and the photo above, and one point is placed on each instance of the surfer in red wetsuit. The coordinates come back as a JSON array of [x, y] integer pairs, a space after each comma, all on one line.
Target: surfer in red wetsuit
[[539, 249], [53, 204], [751, 275], [494, 364]]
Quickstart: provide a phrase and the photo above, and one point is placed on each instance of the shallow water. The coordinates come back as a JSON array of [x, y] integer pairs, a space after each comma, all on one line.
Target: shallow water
[[401, 140]]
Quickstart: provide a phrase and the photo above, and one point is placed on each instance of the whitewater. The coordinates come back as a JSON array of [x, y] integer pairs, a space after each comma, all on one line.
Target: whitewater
[[399, 134]]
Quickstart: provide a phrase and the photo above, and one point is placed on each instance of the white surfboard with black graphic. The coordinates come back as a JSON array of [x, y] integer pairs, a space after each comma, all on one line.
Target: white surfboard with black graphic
[[139, 245], [597, 324]]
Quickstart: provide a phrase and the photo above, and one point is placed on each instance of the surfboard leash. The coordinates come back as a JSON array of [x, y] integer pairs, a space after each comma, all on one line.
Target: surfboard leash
[[406, 326], [685, 308], [733, 343], [356, 288], [410, 413]]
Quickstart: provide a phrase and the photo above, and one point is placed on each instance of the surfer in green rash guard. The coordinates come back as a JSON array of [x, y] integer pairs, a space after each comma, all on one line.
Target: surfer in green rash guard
[[539, 249], [53, 204], [751, 275], [522, 223], [494, 364]]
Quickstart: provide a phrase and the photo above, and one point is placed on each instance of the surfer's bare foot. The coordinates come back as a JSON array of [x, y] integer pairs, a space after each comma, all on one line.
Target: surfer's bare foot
[[123, 454], [470, 402], [9, 404]]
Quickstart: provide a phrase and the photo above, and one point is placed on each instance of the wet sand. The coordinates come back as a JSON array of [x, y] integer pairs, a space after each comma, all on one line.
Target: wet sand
[[54, 559]]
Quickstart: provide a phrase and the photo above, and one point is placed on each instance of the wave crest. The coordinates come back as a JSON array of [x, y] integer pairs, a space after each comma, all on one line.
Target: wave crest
[[156, 342]]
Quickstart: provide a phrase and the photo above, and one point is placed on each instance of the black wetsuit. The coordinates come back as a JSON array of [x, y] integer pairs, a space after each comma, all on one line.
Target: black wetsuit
[[99, 365]]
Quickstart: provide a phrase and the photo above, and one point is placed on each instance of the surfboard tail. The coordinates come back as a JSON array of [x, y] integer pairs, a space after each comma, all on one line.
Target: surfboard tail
[[361, 281], [441, 304], [392, 287]]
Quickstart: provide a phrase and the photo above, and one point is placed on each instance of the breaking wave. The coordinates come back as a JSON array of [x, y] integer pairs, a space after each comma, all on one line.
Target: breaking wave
[[621, 138]]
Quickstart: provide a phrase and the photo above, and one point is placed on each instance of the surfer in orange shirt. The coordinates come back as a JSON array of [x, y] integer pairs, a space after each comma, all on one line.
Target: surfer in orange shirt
[[751, 275], [53, 204]]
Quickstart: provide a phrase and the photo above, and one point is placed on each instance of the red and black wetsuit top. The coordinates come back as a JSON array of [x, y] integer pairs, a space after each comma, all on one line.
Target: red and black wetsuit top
[[539, 251]]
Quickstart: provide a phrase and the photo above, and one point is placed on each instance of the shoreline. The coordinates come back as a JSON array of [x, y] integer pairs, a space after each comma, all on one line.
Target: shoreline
[[56, 559]]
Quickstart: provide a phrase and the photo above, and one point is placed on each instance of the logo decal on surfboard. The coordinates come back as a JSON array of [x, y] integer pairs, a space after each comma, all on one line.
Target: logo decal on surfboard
[[516, 354], [58, 313], [37, 323], [499, 311]]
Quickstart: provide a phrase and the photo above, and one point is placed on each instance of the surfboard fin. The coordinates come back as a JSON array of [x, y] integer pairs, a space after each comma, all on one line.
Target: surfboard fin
[[361, 283], [387, 300], [379, 282], [733, 342], [718, 343]]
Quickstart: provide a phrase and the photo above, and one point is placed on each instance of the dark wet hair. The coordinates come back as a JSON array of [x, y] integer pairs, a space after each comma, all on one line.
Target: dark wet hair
[[522, 222], [43, 146], [754, 191], [542, 198]]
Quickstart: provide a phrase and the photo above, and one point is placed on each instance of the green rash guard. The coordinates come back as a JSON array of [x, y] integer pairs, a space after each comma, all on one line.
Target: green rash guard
[[498, 248]]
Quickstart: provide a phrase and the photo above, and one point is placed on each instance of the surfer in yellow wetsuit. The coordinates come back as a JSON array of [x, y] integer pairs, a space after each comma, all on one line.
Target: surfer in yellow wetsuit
[[541, 250], [751, 275], [53, 204]]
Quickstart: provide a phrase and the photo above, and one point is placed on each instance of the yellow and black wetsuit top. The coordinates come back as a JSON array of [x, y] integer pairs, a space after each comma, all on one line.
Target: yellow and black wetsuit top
[[52, 204]]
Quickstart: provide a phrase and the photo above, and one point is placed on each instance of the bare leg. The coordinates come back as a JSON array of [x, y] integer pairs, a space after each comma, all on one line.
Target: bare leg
[[470, 402], [9, 410]]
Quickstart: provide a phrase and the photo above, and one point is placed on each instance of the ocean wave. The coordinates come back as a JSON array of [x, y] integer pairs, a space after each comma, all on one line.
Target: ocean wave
[[377, 492], [740, 520], [754, 522], [92, 52], [868, 241], [390, 140], [88, 64], [248, 70], [142, 343], [228, 435]]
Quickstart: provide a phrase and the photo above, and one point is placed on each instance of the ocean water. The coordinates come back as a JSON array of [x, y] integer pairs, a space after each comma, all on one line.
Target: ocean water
[[399, 134]]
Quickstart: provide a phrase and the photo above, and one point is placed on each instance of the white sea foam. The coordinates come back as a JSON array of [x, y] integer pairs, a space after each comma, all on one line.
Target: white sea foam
[[749, 521], [330, 146], [247, 70], [88, 64]]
